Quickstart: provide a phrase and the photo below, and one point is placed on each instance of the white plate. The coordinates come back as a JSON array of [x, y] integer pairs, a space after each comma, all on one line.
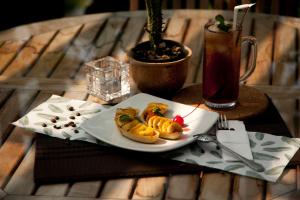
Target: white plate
[[103, 127]]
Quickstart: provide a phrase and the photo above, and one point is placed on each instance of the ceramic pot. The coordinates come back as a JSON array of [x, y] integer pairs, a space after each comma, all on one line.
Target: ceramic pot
[[160, 79]]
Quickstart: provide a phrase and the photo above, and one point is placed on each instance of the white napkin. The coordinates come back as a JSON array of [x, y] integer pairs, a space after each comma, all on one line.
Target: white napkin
[[237, 140], [42, 118]]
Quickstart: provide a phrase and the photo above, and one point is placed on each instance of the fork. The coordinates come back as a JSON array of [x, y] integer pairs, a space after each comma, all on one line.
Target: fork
[[222, 124]]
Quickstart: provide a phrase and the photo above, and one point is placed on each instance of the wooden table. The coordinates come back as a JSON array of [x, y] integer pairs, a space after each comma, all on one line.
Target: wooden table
[[46, 58]]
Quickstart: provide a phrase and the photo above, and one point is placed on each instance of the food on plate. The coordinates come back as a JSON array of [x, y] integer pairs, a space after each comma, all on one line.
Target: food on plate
[[154, 109], [131, 127], [166, 127]]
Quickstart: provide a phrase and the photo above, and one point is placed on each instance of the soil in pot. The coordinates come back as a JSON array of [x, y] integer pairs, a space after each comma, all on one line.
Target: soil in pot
[[167, 51]]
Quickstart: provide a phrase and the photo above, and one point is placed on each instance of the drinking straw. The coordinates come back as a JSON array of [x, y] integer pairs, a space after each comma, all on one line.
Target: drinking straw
[[235, 13]]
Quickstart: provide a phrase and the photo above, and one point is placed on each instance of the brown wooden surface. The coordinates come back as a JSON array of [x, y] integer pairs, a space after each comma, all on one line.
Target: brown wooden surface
[[45, 58]]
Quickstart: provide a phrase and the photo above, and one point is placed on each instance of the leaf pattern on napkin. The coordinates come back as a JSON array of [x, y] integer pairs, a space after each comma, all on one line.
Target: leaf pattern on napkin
[[196, 149], [87, 112], [216, 154], [55, 109], [254, 174], [259, 136], [291, 141], [233, 167], [66, 135], [276, 149], [214, 162], [252, 143], [267, 143], [48, 116], [274, 170], [191, 161], [263, 156]]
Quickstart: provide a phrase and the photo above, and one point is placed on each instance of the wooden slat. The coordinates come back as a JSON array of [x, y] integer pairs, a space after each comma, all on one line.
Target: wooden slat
[[298, 176], [215, 186], [218, 4], [190, 4], [78, 51], [285, 57], [59, 84], [150, 188], [290, 196], [22, 197], [247, 188], [194, 39], [129, 38], [14, 107], [21, 182], [134, 5], [204, 4], [28, 55], [2, 194], [4, 93], [231, 4], [287, 110], [15, 147], [176, 29], [183, 187], [286, 184], [117, 189], [54, 52], [259, 7], [246, 1], [105, 41], [176, 4], [275, 7], [55, 190], [263, 31], [8, 51], [85, 189]]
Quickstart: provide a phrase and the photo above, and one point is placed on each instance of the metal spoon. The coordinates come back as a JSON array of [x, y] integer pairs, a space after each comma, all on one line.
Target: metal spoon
[[250, 163]]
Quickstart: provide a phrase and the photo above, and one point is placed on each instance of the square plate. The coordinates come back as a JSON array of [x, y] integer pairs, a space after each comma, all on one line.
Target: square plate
[[103, 127]]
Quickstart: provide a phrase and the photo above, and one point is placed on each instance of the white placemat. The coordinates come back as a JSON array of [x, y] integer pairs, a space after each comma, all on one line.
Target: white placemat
[[61, 117], [273, 152]]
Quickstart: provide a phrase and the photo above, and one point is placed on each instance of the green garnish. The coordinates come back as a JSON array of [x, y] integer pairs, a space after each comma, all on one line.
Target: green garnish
[[156, 110], [125, 118], [224, 27]]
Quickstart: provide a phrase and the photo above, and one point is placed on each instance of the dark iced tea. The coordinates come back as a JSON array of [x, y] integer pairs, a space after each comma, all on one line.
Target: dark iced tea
[[221, 69]]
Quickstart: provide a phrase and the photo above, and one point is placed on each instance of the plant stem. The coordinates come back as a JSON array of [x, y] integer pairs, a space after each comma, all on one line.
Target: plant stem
[[154, 24]]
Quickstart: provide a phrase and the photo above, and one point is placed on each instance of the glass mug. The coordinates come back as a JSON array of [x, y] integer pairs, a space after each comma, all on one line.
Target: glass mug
[[221, 67]]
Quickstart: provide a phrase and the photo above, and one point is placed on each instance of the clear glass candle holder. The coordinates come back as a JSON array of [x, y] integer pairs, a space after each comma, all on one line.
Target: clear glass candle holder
[[107, 78]]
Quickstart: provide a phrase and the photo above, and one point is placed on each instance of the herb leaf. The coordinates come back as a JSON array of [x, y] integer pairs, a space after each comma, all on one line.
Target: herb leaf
[[220, 18], [156, 110], [125, 118], [222, 25]]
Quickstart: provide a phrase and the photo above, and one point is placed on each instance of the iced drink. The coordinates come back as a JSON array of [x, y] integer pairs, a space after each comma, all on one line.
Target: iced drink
[[221, 69]]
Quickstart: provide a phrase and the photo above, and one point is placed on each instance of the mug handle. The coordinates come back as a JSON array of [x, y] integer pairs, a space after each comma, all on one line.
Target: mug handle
[[252, 41]]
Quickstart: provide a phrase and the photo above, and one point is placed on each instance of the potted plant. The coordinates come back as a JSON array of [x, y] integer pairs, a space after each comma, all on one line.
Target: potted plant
[[158, 66]]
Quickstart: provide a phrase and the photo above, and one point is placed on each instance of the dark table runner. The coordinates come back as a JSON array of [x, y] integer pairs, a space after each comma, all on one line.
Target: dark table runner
[[64, 161]]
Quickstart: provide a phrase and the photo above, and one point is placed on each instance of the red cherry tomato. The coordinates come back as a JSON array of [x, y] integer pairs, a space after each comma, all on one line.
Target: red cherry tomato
[[179, 120]]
